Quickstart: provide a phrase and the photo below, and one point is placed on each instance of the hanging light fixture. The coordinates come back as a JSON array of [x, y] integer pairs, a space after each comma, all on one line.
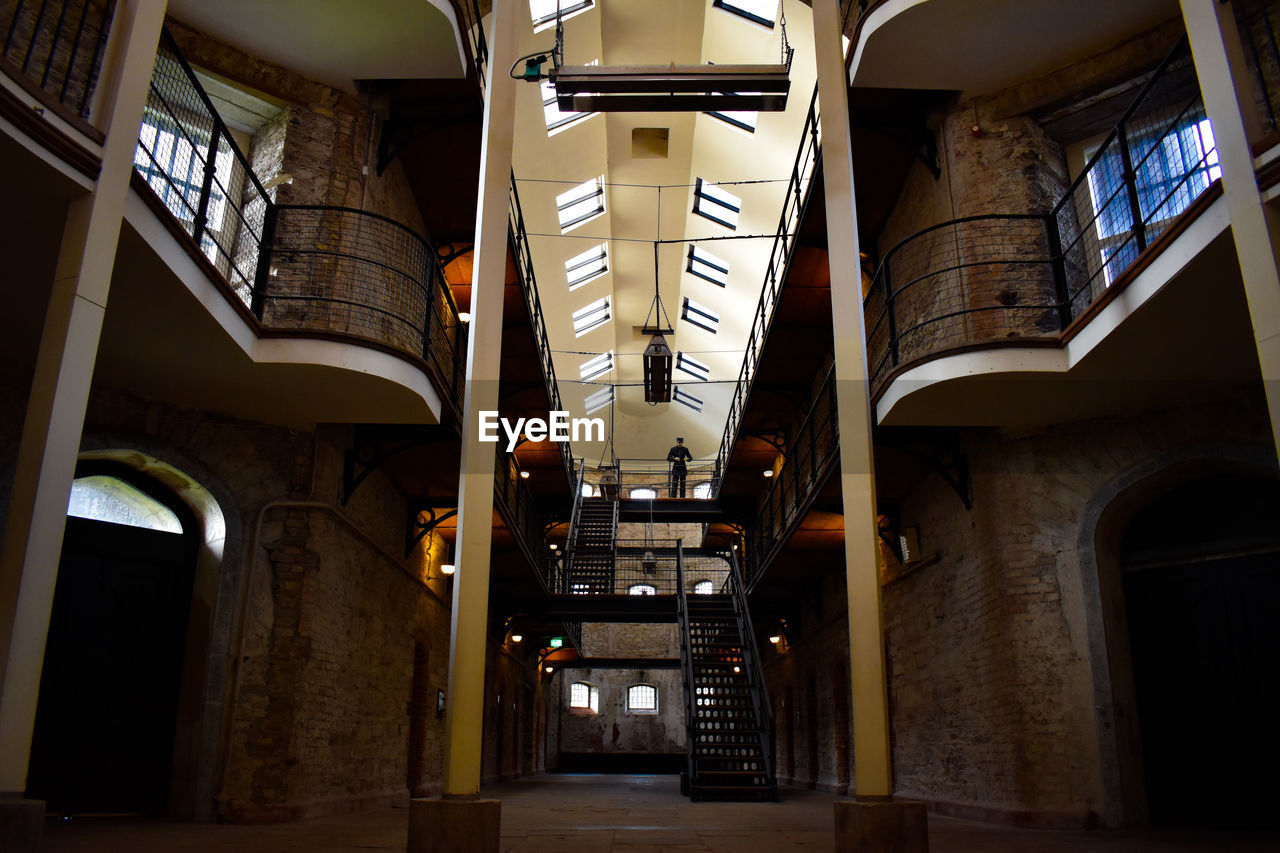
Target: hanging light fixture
[[657, 356]]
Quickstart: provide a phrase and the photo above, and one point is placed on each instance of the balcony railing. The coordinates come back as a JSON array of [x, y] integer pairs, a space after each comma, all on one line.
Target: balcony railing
[[811, 453], [1012, 278], [57, 47], [642, 479], [307, 269]]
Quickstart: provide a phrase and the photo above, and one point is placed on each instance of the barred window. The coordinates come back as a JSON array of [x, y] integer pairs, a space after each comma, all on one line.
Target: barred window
[[642, 699], [584, 696]]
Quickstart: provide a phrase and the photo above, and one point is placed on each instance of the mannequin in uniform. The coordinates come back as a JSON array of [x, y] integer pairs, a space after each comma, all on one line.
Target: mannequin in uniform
[[677, 456]]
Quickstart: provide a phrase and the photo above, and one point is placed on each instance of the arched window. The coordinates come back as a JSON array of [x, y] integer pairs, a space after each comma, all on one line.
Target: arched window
[[642, 589], [104, 498], [584, 697], [588, 491], [703, 588], [642, 494], [642, 699]]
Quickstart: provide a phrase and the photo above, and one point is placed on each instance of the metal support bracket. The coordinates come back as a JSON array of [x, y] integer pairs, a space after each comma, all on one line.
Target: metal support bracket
[[418, 528]]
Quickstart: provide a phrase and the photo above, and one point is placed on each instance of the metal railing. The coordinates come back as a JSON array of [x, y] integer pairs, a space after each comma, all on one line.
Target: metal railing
[[784, 242], [983, 280], [300, 268], [529, 288], [1257, 21], [521, 513], [811, 453], [686, 663], [737, 587], [58, 46], [640, 479]]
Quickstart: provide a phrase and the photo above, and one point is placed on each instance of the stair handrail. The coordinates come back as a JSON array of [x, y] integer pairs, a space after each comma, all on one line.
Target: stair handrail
[[759, 696], [686, 661], [571, 544]]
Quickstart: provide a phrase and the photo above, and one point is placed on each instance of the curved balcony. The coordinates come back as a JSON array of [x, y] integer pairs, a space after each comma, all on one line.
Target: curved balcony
[[318, 272], [1022, 279]]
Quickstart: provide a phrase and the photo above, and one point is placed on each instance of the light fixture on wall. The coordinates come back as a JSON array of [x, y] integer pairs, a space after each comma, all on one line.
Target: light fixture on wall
[[516, 638], [448, 569], [524, 475], [775, 639], [767, 473], [464, 316]]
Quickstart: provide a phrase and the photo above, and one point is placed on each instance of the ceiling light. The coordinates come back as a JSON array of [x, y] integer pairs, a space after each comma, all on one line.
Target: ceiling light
[[515, 638], [767, 473], [524, 475], [657, 371], [671, 88], [775, 639], [448, 569], [551, 669], [464, 317], [553, 546]]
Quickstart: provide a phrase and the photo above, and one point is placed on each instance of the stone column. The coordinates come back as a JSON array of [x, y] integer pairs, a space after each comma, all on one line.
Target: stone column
[[873, 821], [460, 821], [55, 413], [1255, 225]]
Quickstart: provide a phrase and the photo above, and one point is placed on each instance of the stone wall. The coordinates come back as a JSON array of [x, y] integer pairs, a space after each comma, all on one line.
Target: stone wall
[[997, 659]]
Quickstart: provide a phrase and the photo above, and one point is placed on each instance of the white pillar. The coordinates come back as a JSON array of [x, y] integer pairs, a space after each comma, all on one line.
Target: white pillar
[[464, 716], [872, 769], [1255, 225], [60, 393]]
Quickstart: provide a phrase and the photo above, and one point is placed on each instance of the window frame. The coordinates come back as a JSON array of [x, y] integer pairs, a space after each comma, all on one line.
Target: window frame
[[602, 306], [684, 398], [585, 191], [689, 365], [547, 21], [702, 199], [644, 711], [699, 258], [598, 253], [705, 318], [592, 705]]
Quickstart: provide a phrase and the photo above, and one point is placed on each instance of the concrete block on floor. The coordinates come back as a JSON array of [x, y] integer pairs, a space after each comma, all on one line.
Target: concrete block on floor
[[455, 825], [21, 822], [881, 826]]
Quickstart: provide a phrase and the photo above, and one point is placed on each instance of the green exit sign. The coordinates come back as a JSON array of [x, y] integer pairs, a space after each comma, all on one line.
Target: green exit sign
[[557, 642]]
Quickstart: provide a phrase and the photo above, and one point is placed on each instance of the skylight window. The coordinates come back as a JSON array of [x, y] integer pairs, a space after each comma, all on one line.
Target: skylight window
[[699, 315], [686, 399], [707, 266], [588, 266], [591, 317], [583, 202], [763, 12], [597, 401], [556, 118], [714, 203], [594, 368], [690, 365], [543, 12], [741, 119]]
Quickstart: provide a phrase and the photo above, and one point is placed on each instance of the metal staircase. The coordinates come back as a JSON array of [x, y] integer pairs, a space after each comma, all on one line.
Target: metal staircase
[[592, 554], [729, 720]]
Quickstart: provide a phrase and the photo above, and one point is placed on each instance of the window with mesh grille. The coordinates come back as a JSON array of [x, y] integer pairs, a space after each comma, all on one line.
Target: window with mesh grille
[[642, 699]]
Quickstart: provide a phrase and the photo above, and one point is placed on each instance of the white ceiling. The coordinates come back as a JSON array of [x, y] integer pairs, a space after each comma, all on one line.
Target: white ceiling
[[336, 42], [976, 46], [658, 32]]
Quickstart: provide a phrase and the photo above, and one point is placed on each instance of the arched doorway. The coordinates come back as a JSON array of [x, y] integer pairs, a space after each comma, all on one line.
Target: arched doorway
[[110, 687], [1201, 580]]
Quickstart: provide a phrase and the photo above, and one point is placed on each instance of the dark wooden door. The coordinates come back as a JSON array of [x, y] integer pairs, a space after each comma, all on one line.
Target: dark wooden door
[[103, 740], [1206, 660]]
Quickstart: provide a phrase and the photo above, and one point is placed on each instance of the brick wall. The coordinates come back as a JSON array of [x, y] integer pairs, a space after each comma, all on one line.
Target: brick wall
[[991, 660]]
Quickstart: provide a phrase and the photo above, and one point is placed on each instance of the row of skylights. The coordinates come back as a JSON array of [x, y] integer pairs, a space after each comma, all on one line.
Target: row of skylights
[[700, 315], [715, 203], [707, 266], [690, 365], [597, 401], [595, 367], [591, 316], [684, 398], [583, 202], [588, 266], [762, 12], [543, 12]]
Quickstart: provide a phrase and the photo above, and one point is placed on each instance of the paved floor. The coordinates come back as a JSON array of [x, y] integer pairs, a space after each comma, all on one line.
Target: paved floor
[[595, 814]]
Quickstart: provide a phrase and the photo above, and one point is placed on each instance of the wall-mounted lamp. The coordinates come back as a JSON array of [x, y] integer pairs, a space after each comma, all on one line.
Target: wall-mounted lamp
[[550, 670], [554, 547], [515, 638], [775, 639], [464, 317], [767, 473], [448, 569], [524, 475]]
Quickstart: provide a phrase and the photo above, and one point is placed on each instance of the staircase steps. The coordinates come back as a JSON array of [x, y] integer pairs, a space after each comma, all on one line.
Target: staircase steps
[[591, 569]]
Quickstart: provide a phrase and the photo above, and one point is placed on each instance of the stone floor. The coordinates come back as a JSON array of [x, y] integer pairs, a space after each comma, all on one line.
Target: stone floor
[[594, 814]]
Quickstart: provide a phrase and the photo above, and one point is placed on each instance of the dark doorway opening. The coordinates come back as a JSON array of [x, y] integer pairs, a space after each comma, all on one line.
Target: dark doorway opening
[[1202, 592], [107, 711]]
